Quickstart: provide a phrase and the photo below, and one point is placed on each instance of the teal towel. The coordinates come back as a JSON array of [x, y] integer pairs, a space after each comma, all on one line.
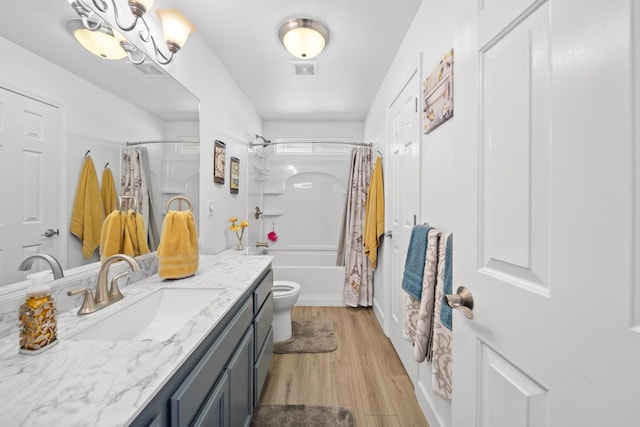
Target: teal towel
[[445, 310], [414, 265]]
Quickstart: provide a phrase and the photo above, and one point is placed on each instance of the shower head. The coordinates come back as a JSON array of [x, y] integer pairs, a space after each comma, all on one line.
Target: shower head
[[264, 141]]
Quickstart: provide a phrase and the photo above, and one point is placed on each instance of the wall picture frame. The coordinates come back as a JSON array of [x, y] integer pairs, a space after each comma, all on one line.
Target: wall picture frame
[[219, 160], [437, 92], [234, 181]]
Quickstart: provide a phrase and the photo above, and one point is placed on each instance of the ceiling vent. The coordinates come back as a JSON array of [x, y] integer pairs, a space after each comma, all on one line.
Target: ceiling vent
[[149, 69], [305, 68]]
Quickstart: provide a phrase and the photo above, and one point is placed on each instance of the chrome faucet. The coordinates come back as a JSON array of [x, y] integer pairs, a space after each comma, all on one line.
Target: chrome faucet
[[104, 294], [56, 268]]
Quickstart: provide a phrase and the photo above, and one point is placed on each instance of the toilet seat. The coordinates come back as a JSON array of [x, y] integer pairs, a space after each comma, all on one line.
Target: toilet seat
[[285, 288]]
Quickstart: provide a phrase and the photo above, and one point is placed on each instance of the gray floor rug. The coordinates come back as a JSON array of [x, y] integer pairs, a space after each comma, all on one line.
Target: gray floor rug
[[302, 416], [309, 336]]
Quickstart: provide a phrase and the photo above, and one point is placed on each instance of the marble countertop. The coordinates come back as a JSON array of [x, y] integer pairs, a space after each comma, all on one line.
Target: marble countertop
[[108, 383]]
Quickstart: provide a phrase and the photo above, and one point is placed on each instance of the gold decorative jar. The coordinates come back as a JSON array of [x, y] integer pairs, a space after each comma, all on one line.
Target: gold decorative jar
[[38, 325]]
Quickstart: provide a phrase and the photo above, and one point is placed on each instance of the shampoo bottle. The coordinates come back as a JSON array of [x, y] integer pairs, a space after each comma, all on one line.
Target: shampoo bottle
[[38, 327]]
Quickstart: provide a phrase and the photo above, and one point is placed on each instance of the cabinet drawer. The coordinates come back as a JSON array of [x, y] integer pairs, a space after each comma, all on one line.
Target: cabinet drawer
[[263, 323], [261, 368], [262, 291], [186, 401]]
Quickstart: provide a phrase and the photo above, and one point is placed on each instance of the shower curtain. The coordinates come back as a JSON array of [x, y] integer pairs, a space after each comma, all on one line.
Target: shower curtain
[[134, 182], [358, 283]]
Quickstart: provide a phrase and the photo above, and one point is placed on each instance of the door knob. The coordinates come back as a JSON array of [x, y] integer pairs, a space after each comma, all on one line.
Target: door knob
[[462, 300], [51, 232]]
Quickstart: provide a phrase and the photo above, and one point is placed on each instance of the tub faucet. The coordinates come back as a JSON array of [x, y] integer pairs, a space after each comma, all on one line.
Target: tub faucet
[[264, 246], [56, 268]]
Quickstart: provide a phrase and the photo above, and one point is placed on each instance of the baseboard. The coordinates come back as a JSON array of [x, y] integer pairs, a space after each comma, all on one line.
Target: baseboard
[[320, 302], [424, 400]]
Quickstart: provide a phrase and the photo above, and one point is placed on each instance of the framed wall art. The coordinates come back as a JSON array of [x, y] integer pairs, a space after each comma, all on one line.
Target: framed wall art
[[234, 182], [438, 94], [219, 159]]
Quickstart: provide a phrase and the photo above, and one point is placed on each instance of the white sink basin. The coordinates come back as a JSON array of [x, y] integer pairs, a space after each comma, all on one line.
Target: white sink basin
[[158, 316]]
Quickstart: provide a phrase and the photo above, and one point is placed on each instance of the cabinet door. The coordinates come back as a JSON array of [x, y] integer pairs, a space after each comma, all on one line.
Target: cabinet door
[[240, 370], [215, 411]]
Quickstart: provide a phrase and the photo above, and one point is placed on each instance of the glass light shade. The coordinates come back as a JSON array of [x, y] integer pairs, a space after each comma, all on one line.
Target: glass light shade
[[304, 43], [175, 26], [99, 43]]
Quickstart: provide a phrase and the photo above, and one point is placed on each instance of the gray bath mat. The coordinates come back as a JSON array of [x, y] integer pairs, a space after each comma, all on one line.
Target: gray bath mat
[[309, 336], [302, 415]]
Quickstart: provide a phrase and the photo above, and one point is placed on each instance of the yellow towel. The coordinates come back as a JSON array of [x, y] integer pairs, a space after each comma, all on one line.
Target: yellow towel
[[374, 216], [111, 235], [108, 190], [128, 236], [178, 249], [137, 234], [88, 210]]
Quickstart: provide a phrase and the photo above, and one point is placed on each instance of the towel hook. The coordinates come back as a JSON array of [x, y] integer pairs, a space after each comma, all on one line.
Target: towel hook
[[87, 153], [180, 199], [107, 165]]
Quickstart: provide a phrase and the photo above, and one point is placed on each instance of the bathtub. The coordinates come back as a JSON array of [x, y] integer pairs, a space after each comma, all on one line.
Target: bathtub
[[321, 281]]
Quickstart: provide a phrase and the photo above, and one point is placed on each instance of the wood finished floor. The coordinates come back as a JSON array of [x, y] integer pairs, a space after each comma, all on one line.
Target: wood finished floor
[[363, 374]]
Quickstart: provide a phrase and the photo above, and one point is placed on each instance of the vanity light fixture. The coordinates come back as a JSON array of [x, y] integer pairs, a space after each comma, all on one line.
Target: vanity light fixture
[[175, 27], [304, 38], [99, 40]]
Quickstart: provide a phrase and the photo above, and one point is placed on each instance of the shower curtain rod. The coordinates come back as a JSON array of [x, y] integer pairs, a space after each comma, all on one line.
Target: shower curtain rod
[[266, 144], [132, 143]]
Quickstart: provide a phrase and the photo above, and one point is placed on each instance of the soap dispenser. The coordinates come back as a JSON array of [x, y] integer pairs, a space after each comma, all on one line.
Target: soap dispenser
[[38, 326]]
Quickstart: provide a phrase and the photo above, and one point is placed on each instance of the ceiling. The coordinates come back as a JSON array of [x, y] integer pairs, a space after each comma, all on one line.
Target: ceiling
[[364, 37]]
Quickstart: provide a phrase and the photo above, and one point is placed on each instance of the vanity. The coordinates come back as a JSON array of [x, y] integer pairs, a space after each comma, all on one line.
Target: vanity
[[207, 370]]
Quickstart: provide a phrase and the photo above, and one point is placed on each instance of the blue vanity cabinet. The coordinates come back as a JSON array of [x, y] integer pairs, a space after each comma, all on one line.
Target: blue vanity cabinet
[[263, 334], [240, 370], [217, 384], [215, 411]]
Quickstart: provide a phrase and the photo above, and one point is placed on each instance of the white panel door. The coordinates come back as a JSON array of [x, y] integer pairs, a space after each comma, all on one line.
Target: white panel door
[[403, 203], [29, 182], [544, 218]]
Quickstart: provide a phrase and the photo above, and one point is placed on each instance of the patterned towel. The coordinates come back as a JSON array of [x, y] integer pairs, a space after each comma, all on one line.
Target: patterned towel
[[442, 337], [424, 317]]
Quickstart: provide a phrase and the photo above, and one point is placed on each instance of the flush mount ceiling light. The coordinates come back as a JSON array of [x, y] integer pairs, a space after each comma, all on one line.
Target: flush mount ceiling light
[[304, 38], [175, 26], [99, 40]]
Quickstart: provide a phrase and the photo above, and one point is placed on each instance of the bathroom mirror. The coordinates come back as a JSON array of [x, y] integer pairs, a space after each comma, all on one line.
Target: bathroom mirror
[[42, 31]]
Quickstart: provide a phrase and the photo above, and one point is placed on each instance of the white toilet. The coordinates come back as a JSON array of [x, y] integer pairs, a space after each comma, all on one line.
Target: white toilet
[[285, 295]]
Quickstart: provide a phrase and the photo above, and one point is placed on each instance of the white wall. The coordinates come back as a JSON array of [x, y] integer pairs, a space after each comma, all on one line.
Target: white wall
[[91, 119], [431, 35]]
